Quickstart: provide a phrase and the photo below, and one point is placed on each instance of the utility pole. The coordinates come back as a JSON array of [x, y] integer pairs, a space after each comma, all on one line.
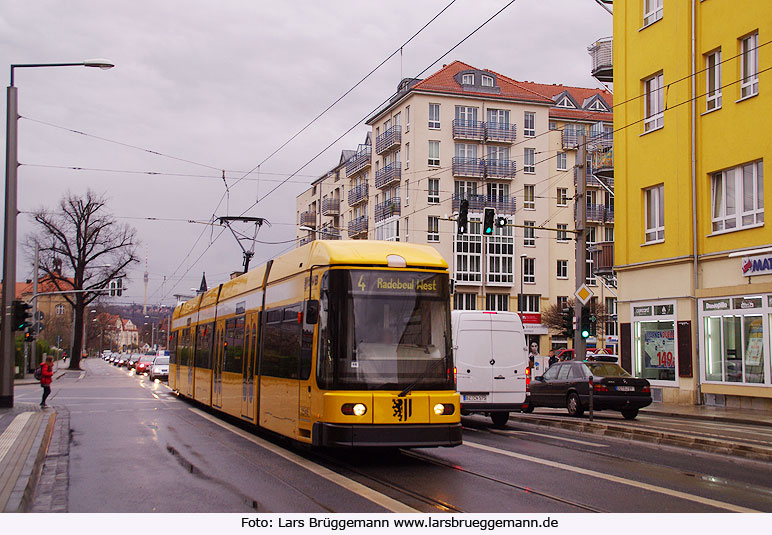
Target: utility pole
[[35, 319], [580, 222]]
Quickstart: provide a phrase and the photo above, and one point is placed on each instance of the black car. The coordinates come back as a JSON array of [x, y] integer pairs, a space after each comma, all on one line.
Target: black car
[[566, 384]]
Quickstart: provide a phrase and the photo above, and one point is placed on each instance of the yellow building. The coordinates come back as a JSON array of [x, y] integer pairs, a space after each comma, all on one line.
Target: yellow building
[[693, 254]]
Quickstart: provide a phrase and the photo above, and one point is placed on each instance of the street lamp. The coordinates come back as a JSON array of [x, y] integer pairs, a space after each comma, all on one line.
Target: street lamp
[[9, 238]]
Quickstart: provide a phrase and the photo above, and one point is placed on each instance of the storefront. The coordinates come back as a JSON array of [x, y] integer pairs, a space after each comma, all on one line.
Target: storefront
[[654, 340]]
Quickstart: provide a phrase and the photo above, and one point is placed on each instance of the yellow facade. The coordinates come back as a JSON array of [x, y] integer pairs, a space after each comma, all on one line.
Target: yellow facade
[[698, 138]]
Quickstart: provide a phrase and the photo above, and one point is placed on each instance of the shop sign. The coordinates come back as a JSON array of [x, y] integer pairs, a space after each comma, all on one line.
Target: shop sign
[[530, 317], [663, 310], [641, 311], [757, 265], [744, 303], [709, 305]]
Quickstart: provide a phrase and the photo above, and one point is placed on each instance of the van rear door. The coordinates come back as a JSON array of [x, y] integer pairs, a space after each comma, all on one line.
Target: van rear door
[[510, 361], [475, 375]]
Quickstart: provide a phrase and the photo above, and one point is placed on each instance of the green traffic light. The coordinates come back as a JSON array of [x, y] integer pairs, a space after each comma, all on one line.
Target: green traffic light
[[585, 334]]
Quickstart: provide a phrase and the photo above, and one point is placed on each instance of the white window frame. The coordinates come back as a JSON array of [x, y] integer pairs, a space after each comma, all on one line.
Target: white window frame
[[407, 155], [530, 302], [529, 197], [501, 252], [433, 228], [653, 103], [562, 233], [749, 65], [529, 233], [529, 160], [529, 124], [713, 80], [737, 198], [407, 192], [433, 190], [652, 11], [464, 301], [562, 161], [487, 81], [529, 270], [434, 154], [467, 79], [467, 252], [562, 269], [434, 116], [407, 119], [654, 219], [497, 302], [562, 196]]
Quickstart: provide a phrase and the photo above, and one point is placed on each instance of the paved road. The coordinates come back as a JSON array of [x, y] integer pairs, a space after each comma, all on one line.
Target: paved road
[[135, 447]]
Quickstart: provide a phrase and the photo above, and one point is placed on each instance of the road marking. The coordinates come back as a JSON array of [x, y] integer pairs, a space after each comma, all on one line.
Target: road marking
[[11, 433], [367, 493], [550, 437], [616, 479], [154, 395]]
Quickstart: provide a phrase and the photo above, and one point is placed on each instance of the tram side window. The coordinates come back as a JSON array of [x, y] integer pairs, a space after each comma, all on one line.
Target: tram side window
[[281, 350], [173, 348], [234, 337], [184, 347], [204, 346]]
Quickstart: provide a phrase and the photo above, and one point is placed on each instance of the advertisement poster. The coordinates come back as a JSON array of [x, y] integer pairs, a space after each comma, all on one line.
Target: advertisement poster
[[659, 349], [755, 346]]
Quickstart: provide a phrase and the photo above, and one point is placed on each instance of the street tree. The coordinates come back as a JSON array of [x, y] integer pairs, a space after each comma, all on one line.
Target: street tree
[[559, 319], [82, 248]]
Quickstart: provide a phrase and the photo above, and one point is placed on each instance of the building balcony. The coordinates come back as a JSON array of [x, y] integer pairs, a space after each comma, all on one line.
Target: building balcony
[[602, 255], [357, 226], [471, 167], [357, 194], [388, 140], [387, 209], [329, 233], [503, 205], [391, 174], [308, 219], [330, 207], [500, 132], [603, 163], [495, 168], [474, 130], [306, 239], [595, 213], [601, 53], [608, 214], [571, 138], [359, 161]]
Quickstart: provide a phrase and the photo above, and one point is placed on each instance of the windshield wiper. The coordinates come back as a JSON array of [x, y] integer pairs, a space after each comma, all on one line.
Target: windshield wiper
[[428, 369]]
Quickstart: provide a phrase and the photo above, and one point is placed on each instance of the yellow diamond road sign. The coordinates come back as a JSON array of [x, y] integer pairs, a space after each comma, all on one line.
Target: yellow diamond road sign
[[584, 294]]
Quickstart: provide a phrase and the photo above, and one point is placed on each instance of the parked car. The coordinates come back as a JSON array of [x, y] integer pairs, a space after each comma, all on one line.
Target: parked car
[[131, 362], [143, 363], [566, 384], [159, 369], [568, 354]]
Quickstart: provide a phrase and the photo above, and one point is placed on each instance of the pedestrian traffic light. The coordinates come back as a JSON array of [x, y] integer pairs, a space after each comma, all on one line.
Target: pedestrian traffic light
[[488, 221], [584, 323], [21, 315], [593, 324], [29, 335], [501, 221], [463, 211]]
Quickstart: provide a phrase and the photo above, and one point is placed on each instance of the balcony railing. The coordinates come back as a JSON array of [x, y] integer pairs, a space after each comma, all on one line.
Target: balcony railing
[[468, 167], [608, 214], [571, 138], [330, 207], [329, 233], [495, 168], [389, 139], [503, 205], [468, 130], [308, 219], [603, 163], [484, 167], [595, 213], [602, 255], [359, 161], [357, 226], [388, 175], [357, 194], [501, 132], [602, 60], [387, 209]]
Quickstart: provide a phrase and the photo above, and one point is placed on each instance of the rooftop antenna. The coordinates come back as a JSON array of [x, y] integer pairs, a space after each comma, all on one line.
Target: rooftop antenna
[[240, 236]]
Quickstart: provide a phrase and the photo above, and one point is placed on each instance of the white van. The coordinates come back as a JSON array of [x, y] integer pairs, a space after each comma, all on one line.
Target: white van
[[491, 359]]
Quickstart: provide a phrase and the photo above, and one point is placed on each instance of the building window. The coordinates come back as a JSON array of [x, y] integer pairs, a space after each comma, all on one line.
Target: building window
[[434, 116], [433, 232], [562, 302], [738, 197], [388, 231], [434, 153], [529, 270], [713, 80], [654, 342], [434, 191], [464, 301], [407, 155], [609, 234], [652, 11], [562, 197], [562, 161], [407, 119], [529, 163], [497, 302], [529, 124], [407, 192], [654, 103], [468, 251], [749, 61], [562, 232], [529, 302], [487, 81], [611, 317], [654, 199], [529, 238], [529, 202], [59, 310], [501, 251], [407, 230], [467, 79], [562, 269]]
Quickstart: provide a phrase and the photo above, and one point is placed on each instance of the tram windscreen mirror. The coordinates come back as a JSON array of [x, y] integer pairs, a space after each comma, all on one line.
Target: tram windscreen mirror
[[312, 311]]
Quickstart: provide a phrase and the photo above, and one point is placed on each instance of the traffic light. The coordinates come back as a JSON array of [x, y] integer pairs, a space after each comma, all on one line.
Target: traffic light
[[116, 287], [568, 322], [29, 335], [488, 221], [593, 324], [584, 323], [463, 211], [21, 315], [501, 221]]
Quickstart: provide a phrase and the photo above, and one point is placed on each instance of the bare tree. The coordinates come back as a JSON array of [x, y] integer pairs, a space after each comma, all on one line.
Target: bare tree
[[560, 320], [81, 238]]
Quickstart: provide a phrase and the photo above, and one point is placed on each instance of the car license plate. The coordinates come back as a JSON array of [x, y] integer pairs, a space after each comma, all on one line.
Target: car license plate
[[475, 397], [626, 388]]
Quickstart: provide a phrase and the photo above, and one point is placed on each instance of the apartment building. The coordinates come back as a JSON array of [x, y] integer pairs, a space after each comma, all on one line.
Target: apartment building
[[693, 253], [474, 134]]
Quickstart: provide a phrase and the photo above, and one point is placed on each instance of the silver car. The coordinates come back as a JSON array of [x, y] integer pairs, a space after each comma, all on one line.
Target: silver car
[[159, 369]]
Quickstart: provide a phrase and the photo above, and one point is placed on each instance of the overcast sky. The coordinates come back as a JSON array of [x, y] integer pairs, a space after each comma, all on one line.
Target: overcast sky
[[210, 86]]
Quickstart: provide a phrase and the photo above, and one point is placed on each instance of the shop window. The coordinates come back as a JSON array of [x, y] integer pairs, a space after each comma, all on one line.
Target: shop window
[[734, 348], [655, 350]]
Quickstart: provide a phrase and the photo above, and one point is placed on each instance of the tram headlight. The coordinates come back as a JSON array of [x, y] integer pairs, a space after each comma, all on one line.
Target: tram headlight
[[355, 409], [443, 409]]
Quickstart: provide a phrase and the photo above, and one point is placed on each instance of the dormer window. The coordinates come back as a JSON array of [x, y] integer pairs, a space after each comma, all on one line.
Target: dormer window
[[467, 79], [597, 105], [565, 102], [487, 81]]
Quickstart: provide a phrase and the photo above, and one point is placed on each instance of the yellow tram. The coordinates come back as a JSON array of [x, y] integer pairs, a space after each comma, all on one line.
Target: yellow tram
[[337, 343]]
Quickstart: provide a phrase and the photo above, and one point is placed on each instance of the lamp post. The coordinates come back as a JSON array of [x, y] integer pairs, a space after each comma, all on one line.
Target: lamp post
[[9, 238]]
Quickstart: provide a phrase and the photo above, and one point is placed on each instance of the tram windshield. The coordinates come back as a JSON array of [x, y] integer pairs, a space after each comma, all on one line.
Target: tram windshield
[[385, 330]]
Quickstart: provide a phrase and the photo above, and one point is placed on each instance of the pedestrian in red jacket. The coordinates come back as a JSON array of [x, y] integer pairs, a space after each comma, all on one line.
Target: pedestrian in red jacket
[[45, 381]]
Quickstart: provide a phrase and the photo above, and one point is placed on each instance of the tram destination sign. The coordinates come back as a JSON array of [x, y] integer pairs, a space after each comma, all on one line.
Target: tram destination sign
[[398, 283]]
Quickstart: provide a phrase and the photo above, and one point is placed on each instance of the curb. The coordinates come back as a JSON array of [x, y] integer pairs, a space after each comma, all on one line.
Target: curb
[[42, 440], [707, 418]]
